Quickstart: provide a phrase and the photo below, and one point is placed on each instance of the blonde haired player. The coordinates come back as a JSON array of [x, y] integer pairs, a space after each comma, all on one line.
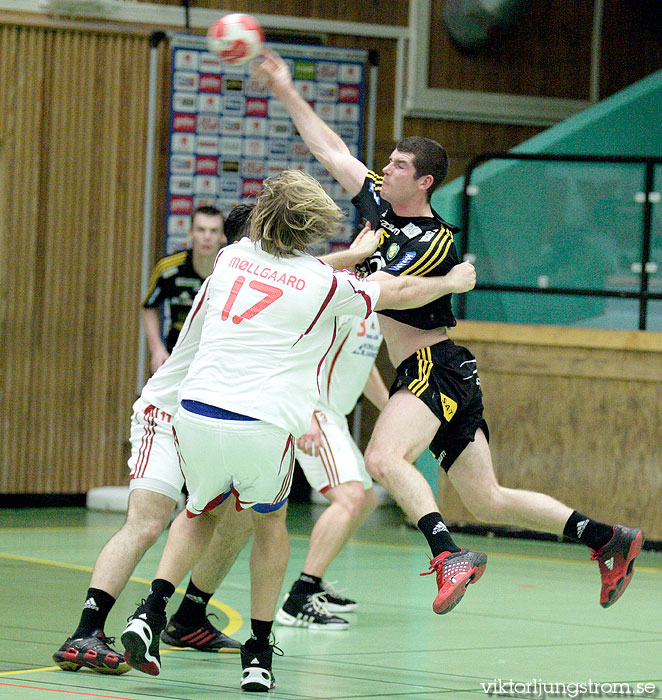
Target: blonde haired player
[[274, 308]]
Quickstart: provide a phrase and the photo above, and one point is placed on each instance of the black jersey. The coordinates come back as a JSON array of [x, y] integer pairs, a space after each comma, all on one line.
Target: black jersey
[[410, 245], [175, 282]]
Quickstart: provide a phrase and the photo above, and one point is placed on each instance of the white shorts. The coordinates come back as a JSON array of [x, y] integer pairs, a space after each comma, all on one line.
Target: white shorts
[[154, 462], [339, 461], [252, 459]]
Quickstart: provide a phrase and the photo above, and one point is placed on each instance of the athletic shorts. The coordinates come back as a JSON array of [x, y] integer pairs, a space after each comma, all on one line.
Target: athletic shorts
[[250, 458], [339, 461], [445, 378], [154, 462]]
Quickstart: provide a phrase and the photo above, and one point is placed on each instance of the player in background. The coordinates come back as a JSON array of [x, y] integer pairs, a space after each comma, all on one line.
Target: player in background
[[436, 398], [177, 278], [155, 485], [251, 387], [334, 466]]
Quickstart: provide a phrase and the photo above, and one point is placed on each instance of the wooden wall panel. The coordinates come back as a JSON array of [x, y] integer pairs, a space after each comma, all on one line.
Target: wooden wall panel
[[577, 422], [74, 133]]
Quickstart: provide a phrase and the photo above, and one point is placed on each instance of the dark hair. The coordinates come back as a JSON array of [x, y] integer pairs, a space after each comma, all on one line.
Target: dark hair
[[207, 210], [236, 225], [430, 158]]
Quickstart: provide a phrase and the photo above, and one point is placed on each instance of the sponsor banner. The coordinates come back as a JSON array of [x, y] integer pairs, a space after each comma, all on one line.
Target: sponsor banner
[[186, 60], [183, 122], [228, 133], [178, 225], [182, 164], [254, 148], [349, 93], [253, 168], [206, 145], [234, 104], [251, 188], [230, 146], [206, 165], [306, 88], [183, 80], [209, 83], [206, 185], [180, 184], [350, 73], [229, 187], [257, 107], [184, 102], [209, 103], [182, 143], [181, 205], [255, 127], [208, 124]]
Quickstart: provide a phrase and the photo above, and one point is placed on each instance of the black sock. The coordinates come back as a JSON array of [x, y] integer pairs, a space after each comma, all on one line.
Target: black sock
[[97, 605], [193, 608], [589, 532], [307, 584], [159, 595], [436, 533], [260, 632]]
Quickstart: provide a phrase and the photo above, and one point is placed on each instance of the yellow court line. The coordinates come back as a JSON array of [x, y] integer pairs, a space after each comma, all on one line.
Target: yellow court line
[[235, 620]]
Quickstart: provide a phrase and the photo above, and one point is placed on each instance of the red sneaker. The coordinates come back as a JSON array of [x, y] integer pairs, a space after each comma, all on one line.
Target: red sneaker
[[616, 562], [455, 571]]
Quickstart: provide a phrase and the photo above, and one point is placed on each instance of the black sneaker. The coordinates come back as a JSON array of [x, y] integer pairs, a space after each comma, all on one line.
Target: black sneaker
[[336, 602], [204, 637], [301, 610], [141, 640], [257, 676], [92, 652]]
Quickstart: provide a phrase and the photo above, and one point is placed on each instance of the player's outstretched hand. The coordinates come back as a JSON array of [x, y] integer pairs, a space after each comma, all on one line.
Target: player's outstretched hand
[[365, 244], [272, 71], [462, 277]]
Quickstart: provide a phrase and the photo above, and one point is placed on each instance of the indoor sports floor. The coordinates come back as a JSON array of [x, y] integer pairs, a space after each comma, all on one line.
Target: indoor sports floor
[[533, 618]]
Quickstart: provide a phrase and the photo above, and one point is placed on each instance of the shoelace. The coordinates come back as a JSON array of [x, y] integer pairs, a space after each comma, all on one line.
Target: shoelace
[[329, 588], [319, 602], [434, 568]]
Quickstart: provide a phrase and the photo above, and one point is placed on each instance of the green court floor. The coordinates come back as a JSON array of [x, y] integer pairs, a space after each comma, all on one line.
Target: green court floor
[[532, 627]]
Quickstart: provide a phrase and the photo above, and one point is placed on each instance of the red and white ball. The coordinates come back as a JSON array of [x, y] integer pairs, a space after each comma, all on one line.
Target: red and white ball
[[236, 38]]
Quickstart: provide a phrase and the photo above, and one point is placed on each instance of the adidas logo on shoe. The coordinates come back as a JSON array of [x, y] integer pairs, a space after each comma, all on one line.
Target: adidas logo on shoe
[[610, 563]]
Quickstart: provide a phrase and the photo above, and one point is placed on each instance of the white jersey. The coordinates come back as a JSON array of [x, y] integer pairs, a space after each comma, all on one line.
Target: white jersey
[[268, 328], [162, 388], [349, 362]]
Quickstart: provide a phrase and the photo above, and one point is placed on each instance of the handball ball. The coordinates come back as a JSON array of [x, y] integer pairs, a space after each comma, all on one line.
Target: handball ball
[[236, 38]]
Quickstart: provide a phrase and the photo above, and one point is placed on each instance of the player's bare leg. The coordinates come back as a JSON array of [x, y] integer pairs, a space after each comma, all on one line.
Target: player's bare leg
[[190, 626], [614, 547], [147, 516], [186, 542], [269, 556], [403, 430], [308, 603]]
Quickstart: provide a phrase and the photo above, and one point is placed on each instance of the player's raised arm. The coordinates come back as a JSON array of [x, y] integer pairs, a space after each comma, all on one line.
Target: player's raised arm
[[409, 291], [329, 149]]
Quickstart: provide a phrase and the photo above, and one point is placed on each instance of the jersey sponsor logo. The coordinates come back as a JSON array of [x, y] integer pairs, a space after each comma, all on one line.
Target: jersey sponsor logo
[[401, 264], [449, 406], [392, 251], [411, 230], [375, 196], [267, 273], [426, 237]]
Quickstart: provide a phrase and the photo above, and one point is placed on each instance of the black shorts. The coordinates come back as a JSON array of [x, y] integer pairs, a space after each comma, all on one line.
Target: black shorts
[[445, 378]]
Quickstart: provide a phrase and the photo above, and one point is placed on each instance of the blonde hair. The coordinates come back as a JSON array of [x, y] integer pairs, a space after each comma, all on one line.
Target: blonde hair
[[292, 213]]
